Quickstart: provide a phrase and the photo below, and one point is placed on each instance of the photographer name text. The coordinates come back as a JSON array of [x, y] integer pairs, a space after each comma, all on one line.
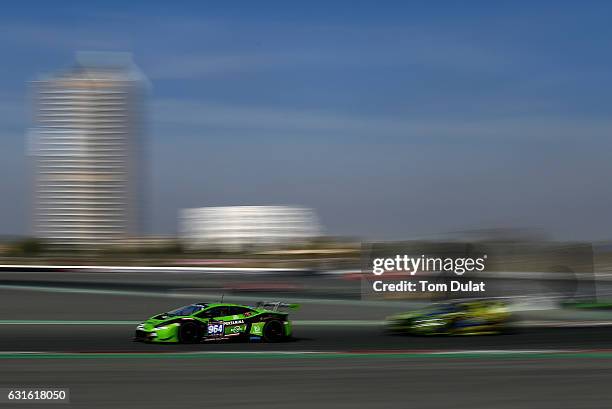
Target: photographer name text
[[428, 286]]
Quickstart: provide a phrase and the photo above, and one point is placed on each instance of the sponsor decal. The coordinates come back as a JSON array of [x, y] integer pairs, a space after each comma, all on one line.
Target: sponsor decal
[[236, 329], [257, 328], [234, 322]]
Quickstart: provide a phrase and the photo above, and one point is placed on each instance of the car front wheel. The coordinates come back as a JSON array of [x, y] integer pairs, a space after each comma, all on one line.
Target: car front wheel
[[189, 332]]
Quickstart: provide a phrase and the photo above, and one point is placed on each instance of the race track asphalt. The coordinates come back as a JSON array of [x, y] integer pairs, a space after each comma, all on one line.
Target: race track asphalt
[[81, 322], [118, 338], [238, 382], [104, 369]]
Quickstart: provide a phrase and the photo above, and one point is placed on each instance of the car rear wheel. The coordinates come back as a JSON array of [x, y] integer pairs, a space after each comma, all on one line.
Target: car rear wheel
[[189, 332], [273, 331]]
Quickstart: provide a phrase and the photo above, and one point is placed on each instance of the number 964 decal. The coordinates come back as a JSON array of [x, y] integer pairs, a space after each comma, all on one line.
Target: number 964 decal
[[216, 329]]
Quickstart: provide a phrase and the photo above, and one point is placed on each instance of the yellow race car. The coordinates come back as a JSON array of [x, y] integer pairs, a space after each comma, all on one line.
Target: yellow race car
[[469, 317]]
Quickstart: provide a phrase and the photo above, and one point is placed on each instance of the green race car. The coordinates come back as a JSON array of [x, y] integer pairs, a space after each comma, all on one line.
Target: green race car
[[218, 321], [472, 317]]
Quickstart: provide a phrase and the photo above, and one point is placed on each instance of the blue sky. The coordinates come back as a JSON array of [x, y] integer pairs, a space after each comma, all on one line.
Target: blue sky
[[391, 119]]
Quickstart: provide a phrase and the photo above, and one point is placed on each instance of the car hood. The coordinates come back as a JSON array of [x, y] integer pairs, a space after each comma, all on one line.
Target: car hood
[[405, 315], [156, 321], [420, 313]]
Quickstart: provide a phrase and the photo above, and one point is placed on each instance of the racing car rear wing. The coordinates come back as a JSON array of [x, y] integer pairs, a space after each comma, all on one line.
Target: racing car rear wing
[[276, 305]]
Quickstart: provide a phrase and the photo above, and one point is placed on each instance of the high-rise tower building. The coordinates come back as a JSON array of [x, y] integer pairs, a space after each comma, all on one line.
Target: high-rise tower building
[[89, 151]]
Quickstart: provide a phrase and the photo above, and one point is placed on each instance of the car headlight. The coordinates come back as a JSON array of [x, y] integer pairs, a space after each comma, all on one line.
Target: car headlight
[[429, 322], [140, 326]]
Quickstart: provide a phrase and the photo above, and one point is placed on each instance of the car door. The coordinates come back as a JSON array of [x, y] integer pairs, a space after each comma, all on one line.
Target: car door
[[235, 321], [225, 321], [215, 321]]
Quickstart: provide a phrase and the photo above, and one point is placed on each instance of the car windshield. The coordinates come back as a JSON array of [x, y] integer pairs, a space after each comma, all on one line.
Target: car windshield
[[187, 310]]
